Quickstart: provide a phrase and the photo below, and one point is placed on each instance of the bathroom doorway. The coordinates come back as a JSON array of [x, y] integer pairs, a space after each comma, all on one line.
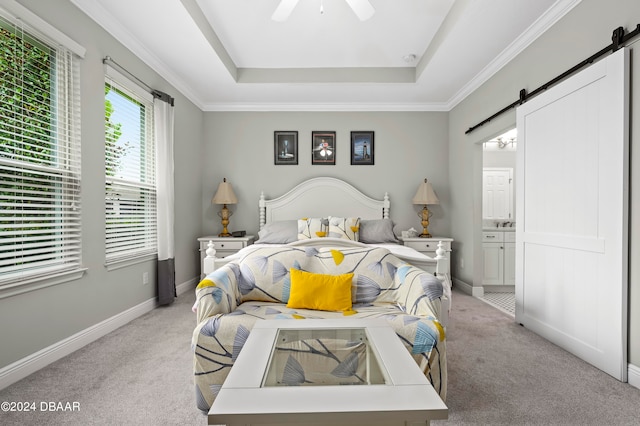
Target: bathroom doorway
[[498, 221]]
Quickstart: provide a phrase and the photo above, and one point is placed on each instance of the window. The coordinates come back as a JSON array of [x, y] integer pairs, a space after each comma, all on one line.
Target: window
[[39, 155], [130, 190]]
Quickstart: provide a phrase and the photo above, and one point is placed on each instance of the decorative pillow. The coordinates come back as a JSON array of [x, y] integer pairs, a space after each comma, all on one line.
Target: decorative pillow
[[313, 227], [320, 292], [344, 227], [279, 232], [377, 231]]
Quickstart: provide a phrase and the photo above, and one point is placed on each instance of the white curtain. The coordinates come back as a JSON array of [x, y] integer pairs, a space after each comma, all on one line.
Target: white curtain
[[163, 118]]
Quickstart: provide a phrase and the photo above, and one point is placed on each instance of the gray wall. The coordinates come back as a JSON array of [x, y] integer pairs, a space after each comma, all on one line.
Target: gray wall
[[585, 30], [409, 146], [32, 321]]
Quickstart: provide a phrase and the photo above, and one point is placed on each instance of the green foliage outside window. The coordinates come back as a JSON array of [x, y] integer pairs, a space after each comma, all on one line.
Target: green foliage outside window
[[25, 99]]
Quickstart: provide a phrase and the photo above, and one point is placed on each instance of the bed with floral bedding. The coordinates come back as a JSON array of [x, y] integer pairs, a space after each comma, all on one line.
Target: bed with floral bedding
[[309, 281]]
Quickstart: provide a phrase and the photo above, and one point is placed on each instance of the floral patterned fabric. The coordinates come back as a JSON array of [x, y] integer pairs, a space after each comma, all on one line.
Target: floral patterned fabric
[[315, 227], [344, 227], [231, 299]]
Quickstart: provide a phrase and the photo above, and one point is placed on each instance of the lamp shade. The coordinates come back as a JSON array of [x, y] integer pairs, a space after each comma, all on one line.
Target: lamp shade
[[225, 194], [425, 194]]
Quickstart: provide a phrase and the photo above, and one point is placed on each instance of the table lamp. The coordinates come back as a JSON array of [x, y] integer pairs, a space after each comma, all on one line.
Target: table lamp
[[425, 196], [224, 195]]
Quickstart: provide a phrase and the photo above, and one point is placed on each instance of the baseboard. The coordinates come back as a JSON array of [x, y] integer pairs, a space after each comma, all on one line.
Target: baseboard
[[499, 288], [468, 288], [187, 286], [34, 362], [633, 376]]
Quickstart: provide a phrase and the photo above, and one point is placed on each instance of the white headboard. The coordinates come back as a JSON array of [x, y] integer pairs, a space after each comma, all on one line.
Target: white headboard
[[322, 197]]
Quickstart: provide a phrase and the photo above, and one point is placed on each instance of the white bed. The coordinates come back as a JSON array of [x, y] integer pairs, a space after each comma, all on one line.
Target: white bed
[[322, 197]]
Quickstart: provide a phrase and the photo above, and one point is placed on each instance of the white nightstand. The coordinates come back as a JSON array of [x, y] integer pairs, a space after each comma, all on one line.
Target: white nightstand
[[225, 246], [429, 246]]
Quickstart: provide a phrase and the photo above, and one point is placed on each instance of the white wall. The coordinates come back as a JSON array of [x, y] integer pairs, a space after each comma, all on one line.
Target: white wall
[[409, 146], [499, 159], [32, 321], [582, 32]]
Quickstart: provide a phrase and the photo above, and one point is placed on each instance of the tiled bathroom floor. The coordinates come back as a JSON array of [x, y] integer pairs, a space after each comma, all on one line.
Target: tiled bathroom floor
[[506, 302]]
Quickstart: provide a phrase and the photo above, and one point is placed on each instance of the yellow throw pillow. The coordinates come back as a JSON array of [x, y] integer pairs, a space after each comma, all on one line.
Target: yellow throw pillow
[[320, 292]]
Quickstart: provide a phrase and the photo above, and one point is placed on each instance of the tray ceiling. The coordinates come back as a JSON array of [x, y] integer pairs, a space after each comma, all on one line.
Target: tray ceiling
[[410, 55]]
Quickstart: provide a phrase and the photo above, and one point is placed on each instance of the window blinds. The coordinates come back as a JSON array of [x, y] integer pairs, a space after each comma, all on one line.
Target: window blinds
[[39, 154], [130, 190]]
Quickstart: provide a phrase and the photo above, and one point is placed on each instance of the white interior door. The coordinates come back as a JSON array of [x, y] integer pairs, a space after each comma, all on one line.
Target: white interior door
[[572, 192], [496, 193]]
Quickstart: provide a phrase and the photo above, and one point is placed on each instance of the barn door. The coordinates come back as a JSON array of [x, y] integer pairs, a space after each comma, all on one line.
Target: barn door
[[572, 192]]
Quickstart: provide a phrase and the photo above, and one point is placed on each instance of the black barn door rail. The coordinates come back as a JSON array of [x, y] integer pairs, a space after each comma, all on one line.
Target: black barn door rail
[[619, 38]]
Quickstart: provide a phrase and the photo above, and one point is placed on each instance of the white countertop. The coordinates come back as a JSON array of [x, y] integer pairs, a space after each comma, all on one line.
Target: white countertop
[[494, 229]]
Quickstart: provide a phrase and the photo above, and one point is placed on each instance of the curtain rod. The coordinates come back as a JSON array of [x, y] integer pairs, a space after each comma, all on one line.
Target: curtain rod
[[618, 40], [156, 93]]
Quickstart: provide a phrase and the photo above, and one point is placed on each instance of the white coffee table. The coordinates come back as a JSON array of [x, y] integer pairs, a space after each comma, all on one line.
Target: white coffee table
[[405, 397]]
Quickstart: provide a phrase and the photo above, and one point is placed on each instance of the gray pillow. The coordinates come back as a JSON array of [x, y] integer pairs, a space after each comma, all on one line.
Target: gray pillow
[[377, 231], [279, 232]]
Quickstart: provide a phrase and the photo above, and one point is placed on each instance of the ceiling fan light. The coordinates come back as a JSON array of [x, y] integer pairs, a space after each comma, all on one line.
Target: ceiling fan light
[[362, 9]]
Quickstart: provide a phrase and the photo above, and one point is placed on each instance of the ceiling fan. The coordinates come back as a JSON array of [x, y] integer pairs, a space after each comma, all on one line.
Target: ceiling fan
[[362, 9]]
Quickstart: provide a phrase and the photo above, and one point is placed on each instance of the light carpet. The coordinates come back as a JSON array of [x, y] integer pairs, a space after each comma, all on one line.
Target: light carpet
[[499, 374]]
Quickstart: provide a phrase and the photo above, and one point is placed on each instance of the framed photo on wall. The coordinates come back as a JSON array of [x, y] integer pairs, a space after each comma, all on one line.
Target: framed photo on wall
[[362, 148], [285, 145], [323, 147]]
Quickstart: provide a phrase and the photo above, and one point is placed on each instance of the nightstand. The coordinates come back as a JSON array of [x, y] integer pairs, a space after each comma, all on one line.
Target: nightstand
[[429, 246], [225, 246]]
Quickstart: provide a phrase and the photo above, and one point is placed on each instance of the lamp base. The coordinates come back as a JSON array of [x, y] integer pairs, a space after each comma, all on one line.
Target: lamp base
[[424, 214], [225, 214]]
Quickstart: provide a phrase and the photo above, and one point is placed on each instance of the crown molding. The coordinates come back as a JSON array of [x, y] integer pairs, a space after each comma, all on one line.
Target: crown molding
[[324, 107], [542, 24], [102, 17]]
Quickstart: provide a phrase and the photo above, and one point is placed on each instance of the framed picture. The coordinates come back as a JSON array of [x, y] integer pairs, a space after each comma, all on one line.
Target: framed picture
[[323, 147], [362, 148], [285, 147]]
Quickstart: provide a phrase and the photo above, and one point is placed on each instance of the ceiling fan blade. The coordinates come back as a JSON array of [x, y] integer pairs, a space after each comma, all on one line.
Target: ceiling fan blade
[[283, 10], [362, 9]]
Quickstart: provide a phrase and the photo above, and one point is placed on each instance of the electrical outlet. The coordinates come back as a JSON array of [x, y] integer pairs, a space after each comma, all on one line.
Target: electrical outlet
[[145, 278]]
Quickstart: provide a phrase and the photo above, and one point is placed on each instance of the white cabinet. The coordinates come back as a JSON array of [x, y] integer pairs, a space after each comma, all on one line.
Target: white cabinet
[[429, 246], [510, 258], [499, 254], [224, 246]]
